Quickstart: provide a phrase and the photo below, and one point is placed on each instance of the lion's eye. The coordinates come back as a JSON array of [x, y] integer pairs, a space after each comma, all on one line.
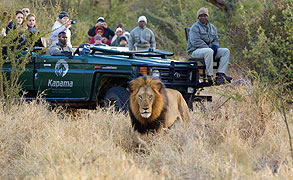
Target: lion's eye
[[139, 96], [151, 97]]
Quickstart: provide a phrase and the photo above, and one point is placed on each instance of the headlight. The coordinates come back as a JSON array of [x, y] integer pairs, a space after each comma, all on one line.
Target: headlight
[[190, 90], [156, 73]]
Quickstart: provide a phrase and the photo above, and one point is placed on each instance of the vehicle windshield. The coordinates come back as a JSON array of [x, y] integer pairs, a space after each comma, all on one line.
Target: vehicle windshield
[[124, 51]]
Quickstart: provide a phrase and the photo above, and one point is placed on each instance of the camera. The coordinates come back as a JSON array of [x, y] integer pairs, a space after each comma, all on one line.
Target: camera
[[102, 23], [73, 22]]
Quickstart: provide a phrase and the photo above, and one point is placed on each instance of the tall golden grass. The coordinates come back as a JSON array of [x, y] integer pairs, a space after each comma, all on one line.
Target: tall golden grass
[[240, 135]]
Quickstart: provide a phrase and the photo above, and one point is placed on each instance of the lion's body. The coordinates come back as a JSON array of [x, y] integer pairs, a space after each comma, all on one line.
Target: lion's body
[[153, 107]]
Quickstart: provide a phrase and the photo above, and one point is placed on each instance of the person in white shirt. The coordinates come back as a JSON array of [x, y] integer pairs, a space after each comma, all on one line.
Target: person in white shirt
[[62, 24]]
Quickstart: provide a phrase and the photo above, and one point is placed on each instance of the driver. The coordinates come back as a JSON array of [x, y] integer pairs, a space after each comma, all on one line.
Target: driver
[[61, 48]]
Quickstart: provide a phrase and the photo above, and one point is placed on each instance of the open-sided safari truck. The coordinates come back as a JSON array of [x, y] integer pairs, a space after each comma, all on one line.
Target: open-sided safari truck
[[99, 75]]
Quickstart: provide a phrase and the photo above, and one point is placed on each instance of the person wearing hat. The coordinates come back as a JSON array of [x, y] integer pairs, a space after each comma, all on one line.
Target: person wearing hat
[[124, 32], [108, 32], [100, 31], [62, 24], [98, 39], [203, 42], [141, 37], [123, 41], [119, 34]]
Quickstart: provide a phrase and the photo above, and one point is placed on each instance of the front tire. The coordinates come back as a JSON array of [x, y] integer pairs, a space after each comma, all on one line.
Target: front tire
[[119, 97]]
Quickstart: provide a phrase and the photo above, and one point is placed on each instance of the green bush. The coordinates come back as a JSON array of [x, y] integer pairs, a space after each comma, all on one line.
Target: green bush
[[258, 33], [264, 40], [14, 55]]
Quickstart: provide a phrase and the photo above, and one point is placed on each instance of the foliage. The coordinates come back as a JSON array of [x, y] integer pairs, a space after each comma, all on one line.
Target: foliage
[[266, 38], [15, 53], [258, 33], [240, 135], [239, 138]]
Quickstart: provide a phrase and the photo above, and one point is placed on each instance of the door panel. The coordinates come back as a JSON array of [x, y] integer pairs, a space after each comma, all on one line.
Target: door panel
[[60, 77]]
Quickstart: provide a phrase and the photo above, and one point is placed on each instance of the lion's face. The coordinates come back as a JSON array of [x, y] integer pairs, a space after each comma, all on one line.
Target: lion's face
[[145, 99]]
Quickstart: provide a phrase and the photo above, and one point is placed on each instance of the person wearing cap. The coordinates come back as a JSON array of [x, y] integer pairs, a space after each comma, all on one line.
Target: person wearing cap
[[100, 31], [141, 37], [123, 42], [62, 24], [120, 42], [98, 39], [108, 32], [118, 36], [124, 33], [203, 42]]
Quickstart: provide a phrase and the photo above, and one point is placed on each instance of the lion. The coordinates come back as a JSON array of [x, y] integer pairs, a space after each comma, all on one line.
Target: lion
[[154, 107]]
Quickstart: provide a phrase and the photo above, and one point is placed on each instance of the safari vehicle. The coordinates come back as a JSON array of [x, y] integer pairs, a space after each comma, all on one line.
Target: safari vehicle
[[99, 75]]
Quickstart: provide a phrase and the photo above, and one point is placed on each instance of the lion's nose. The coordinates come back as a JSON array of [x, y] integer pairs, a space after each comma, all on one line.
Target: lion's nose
[[145, 108]]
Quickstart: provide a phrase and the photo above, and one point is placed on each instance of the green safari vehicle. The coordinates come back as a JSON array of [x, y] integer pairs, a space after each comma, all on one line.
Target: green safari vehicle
[[99, 75]]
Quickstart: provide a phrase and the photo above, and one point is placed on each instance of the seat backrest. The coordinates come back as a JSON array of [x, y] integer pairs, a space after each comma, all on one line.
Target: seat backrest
[[187, 29], [45, 41]]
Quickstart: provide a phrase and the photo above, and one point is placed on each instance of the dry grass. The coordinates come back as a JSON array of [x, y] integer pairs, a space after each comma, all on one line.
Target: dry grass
[[244, 138]]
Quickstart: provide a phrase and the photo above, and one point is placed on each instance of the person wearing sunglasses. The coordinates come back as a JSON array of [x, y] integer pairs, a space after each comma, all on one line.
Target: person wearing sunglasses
[[61, 48]]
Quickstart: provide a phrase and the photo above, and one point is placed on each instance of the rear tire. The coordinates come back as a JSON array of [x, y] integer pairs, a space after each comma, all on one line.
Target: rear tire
[[119, 97]]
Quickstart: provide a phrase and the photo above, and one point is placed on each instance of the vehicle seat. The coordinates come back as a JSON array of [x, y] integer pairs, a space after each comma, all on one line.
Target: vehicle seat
[[217, 60]]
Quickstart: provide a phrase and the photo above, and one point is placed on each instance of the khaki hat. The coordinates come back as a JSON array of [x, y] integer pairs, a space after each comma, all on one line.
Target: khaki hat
[[202, 10]]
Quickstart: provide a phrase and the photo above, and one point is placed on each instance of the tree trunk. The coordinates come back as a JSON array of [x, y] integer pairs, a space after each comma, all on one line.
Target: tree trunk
[[222, 5]]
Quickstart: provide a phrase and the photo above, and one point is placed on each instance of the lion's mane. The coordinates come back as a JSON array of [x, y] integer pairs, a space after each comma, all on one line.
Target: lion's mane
[[159, 106]]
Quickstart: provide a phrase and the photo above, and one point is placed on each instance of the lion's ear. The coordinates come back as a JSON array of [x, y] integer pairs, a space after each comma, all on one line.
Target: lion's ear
[[160, 86], [130, 86]]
